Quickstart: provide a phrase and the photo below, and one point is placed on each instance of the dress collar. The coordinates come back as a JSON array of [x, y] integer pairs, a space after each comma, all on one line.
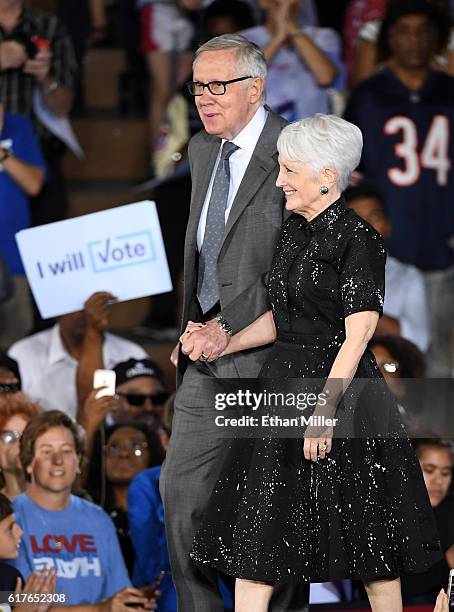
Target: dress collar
[[326, 217]]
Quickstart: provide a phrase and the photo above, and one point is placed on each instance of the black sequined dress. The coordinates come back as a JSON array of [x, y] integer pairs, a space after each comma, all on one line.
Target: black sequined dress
[[361, 513]]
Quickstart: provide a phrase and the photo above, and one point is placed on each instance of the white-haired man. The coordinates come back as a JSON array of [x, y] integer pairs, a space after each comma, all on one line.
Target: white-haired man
[[235, 218]]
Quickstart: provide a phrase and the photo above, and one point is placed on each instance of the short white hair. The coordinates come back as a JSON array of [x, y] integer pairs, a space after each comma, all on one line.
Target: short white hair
[[323, 141], [251, 59]]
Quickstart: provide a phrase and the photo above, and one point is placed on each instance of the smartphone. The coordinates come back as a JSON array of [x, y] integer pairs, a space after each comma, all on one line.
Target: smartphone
[[104, 378], [451, 590]]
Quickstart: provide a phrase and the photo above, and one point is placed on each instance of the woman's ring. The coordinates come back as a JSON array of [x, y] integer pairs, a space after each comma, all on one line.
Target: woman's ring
[[323, 448]]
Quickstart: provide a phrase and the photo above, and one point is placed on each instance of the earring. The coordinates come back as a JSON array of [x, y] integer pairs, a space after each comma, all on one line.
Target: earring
[[324, 189]]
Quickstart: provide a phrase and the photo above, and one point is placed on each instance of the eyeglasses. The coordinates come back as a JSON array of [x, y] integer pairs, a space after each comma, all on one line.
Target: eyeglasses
[[136, 449], [138, 399], [9, 437], [217, 88], [390, 366]]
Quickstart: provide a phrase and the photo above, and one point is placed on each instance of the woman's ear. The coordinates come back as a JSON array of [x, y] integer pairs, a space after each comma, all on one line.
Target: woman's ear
[[329, 176]]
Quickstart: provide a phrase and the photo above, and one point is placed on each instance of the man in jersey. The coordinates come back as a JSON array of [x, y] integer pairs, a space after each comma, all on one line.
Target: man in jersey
[[406, 113]]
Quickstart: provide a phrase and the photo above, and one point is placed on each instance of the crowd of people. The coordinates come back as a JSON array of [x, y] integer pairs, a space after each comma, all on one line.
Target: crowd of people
[[81, 512]]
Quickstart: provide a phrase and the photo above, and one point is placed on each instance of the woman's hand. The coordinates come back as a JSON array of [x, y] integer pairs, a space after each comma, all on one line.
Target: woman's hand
[[317, 442], [441, 605]]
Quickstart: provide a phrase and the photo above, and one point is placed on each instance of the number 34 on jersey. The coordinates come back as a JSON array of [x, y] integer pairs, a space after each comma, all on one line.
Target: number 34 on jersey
[[431, 154]]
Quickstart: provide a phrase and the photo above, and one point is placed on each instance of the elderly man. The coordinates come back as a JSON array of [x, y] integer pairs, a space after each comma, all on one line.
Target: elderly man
[[235, 218]]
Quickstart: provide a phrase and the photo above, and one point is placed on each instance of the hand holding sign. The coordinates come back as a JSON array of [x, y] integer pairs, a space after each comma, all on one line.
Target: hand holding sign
[[119, 252]]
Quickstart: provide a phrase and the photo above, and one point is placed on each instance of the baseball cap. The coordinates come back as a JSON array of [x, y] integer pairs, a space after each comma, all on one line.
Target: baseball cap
[[133, 368]]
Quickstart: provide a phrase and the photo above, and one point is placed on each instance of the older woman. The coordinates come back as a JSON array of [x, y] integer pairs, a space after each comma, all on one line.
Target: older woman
[[15, 412], [334, 507]]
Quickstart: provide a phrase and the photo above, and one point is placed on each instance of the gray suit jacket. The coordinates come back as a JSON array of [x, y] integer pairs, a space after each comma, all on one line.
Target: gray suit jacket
[[248, 245]]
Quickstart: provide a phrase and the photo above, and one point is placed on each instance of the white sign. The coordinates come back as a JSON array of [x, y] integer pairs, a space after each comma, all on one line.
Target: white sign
[[118, 250]]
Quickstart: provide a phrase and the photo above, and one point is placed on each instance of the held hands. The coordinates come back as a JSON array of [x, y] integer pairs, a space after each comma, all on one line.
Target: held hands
[[205, 341]]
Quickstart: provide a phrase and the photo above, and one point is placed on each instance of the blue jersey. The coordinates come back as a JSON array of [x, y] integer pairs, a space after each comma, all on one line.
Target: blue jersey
[[408, 153], [18, 137]]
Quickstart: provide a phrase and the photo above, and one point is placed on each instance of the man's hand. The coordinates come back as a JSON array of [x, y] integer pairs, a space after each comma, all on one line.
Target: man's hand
[[174, 355], [97, 311], [134, 597], [206, 341], [39, 66], [12, 55]]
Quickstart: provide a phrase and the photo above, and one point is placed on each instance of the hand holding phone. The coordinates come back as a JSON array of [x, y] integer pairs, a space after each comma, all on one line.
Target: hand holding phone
[[105, 379]]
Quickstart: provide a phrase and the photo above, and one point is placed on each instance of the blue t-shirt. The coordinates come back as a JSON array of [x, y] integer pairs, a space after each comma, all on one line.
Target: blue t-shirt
[[18, 137], [80, 542], [148, 535]]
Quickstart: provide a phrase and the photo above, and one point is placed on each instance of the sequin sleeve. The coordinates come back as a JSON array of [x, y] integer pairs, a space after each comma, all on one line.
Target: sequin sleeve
[[362, 274]]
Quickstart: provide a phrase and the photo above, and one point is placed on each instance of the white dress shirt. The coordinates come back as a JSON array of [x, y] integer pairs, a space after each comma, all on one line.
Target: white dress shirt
[[406, 301], [246, 140], [48, 371]]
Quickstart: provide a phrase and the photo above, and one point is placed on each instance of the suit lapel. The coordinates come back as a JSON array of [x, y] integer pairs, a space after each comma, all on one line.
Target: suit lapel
[[205, 163], [263, 161]]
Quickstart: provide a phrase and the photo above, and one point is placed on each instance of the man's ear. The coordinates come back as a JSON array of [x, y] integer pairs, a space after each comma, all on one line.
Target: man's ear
[[256, 89]]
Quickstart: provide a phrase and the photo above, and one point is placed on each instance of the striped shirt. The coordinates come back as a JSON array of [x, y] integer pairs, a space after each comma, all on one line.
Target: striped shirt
[[16, 87]]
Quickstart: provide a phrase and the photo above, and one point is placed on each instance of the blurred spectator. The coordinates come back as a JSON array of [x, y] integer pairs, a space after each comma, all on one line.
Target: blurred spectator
[[141, 395], [406, 115], [48, 360], [436, 460], [21, 175], [37, 59], [357, 14], [10, 536], [130, 448], [372, 47], [10, 381], [226, 17], [61, 531], [300, 59], [10, 578], [397, 358], [15, 412], [166, 35], [141, 391], [405, 311], [148, 535]]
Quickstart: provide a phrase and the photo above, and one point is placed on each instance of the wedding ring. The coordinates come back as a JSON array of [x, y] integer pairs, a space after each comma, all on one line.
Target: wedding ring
[[204, 357], [323, 448]]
